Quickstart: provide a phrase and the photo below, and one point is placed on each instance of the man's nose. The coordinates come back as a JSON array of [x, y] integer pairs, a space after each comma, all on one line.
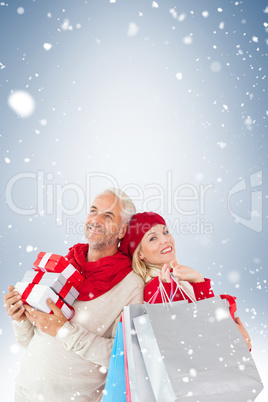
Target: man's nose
[[97, 218]]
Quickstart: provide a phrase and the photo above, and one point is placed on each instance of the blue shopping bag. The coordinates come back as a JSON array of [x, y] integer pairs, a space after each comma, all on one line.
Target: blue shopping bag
[[115, 387]]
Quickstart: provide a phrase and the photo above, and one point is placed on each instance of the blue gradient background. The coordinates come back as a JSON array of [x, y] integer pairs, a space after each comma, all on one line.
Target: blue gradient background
[[115, 112]]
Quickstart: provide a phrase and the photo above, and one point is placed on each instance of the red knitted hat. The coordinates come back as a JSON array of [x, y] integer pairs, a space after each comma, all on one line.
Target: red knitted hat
[[140, 224]]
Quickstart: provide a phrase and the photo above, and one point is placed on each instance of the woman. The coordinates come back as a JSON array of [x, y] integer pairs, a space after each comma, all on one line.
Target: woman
[[152, 249]]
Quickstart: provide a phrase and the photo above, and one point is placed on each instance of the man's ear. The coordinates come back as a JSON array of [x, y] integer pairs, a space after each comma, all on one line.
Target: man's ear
[[122, 231]]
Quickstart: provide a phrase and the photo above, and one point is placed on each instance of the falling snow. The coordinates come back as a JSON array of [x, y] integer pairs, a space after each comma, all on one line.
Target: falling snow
[[134, 92], [133, 29], [47, 46], [215, 66], [65, 26], [205, 14], [22, 103], [221, 144], [20, 10], [179, 76], [187, 40]]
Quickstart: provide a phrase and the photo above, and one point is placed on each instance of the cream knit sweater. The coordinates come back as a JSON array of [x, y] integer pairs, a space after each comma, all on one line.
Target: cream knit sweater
[[72, 366]]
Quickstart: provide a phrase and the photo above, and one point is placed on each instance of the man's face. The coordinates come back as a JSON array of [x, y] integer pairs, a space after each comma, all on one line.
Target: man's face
[[103, 226]]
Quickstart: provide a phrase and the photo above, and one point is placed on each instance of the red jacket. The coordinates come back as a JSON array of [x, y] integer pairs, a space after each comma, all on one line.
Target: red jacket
[[202, 290]]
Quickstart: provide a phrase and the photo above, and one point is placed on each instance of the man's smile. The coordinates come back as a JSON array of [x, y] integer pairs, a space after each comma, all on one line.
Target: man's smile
[[95, 229]]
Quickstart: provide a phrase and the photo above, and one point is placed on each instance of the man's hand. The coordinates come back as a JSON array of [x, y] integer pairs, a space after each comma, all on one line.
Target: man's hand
[[48, 323], [181, 272], [14, 305], [243, 332]]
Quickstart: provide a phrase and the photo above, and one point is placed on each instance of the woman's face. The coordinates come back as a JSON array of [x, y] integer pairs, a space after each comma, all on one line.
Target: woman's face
[[157, 246]]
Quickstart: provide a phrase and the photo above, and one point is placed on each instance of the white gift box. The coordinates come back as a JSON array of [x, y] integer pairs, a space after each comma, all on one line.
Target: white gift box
[[55, 281], [69, 297], [36, 296], [72, 276]]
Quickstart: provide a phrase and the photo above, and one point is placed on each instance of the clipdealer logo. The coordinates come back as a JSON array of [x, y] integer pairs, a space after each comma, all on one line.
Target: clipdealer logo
[[62, 201], [254, 222], [186, 200]]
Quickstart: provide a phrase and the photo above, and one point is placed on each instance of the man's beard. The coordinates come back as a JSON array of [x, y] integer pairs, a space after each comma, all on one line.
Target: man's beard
[[102, 242]]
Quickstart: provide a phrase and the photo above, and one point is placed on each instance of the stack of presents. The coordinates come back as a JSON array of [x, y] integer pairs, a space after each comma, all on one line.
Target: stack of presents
[[52, 277]]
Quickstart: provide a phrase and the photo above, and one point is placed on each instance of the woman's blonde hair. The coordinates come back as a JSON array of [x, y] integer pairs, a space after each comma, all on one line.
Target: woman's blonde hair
[[143, 268]]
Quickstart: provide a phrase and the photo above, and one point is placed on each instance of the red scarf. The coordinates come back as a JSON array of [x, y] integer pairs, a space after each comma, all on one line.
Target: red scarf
[[100, 276]]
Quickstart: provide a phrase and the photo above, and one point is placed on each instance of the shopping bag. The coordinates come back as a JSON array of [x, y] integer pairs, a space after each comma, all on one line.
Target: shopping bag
[[139, 383], [128, 394], [115, 390], [137, 344], [154, 363], [153, 360], [205, 355]]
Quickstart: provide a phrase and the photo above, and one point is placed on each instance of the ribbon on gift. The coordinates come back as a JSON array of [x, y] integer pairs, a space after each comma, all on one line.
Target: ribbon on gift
[[72, 275], [67, 288], [38, 277], [44, 260], [26, 292], [52, 279], [50, 262], [60, 304]]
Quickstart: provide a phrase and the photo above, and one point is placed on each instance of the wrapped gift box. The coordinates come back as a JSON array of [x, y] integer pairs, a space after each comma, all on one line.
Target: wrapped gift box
[[49, 262], [69, 294], [55, 281], [72, 276], [36, 296], [65, 309]]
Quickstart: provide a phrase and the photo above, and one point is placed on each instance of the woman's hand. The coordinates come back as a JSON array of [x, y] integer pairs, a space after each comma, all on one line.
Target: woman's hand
[[48, 323], [181, 272], [14, 305], [243, 332], [164, 274], [184, 273]]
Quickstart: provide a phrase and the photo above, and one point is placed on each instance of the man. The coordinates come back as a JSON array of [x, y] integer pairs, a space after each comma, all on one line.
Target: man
[[68, 361]]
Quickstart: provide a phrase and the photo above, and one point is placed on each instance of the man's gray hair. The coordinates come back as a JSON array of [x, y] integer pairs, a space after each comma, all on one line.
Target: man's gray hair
[[128, 208]]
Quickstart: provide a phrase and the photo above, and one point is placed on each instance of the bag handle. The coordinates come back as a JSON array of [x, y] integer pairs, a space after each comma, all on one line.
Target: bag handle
[[164, 296], [181, 288]]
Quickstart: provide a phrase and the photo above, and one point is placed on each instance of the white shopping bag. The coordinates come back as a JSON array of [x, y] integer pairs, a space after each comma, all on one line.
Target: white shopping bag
[[154, 363], [205, 355], [139, 383], [153, 360]]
